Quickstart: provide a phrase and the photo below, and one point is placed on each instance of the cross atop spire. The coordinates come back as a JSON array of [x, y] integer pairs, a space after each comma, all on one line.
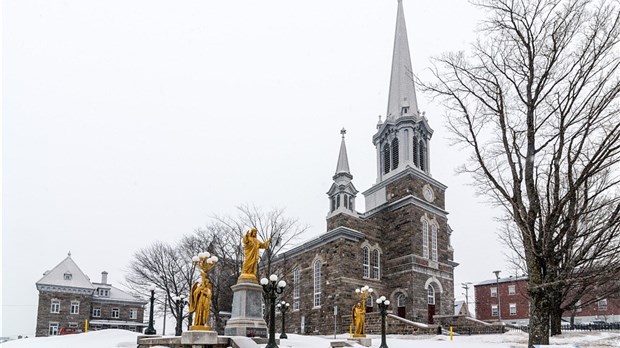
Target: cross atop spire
[[402, 99]]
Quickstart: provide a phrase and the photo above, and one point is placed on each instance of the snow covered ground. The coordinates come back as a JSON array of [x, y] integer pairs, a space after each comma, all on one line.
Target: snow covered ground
[[121, 338]]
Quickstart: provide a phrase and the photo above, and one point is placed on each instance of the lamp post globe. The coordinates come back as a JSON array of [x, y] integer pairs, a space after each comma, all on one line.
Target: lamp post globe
[[283, 307], [272, 288], [383, 304]]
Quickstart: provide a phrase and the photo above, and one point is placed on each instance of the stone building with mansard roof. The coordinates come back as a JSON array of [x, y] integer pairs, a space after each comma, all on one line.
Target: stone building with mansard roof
[[400, 246], [67, 298]]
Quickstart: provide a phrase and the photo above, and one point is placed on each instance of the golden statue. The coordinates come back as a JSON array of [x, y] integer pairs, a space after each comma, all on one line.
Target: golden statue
[[359, 320], [201, 293], [358, 326], [251, 246]]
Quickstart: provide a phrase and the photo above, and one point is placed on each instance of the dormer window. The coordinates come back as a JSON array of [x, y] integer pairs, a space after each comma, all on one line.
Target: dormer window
[[103, 292], [68, 276]]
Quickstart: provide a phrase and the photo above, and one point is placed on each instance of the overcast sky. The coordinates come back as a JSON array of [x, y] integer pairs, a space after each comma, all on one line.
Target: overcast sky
[[127, 122]]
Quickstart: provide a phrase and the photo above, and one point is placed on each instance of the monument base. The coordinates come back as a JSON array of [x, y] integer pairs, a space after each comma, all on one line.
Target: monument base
[[366, 342], [199, 337], [200, 328], [246, 317]]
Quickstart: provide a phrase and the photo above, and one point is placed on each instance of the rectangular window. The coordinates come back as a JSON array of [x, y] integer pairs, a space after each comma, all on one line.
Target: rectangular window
[[133, 313], [53, 331], [317, 283], [434, 242], [513, 309], [115, 313], [75, 307], [493, 292], [512, 290], [375, 264], [602, 305], [425, 239], [296, 289], [103, 292], [96, 312], [55, 306], [494, 310]]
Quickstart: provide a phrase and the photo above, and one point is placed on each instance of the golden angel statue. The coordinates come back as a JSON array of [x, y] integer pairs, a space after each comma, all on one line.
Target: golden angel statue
[[359, 320], [201, 292], [251, 247]]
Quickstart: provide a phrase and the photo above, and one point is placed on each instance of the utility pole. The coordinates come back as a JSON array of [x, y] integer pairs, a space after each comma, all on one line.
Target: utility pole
[[466, 287]]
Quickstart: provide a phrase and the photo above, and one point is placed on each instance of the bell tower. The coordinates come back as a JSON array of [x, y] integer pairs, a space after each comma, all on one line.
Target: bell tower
[[342, 193]]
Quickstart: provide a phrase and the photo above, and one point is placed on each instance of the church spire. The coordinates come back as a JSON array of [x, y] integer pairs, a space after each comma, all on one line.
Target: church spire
[[343, 160], [402, 99], [342, 192]]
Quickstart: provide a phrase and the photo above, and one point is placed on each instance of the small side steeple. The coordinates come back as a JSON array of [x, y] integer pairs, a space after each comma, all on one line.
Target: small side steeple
[[402, 99], [342, 193]]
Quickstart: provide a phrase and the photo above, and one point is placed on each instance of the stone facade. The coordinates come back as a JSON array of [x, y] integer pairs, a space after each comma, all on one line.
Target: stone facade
[[67, 299], [400, 246], [64, 318]]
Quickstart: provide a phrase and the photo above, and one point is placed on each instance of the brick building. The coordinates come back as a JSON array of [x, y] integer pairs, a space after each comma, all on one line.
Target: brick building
[[514, 303], [67, 298], [400, 246]]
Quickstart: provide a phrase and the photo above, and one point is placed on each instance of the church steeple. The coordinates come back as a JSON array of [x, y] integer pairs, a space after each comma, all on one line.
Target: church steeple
[[342, 192], [403, 140], [402, 99], [343, 160]]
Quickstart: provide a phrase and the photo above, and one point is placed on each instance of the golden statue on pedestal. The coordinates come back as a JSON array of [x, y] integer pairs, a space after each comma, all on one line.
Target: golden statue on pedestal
[[251, 247], [201, 292], [358, 326]]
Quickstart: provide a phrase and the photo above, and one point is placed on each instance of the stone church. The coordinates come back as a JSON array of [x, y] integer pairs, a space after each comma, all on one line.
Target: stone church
[[400, 246]]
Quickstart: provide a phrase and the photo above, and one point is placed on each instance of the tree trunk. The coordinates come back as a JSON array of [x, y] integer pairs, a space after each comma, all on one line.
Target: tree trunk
[[539, 318], [555, 314]]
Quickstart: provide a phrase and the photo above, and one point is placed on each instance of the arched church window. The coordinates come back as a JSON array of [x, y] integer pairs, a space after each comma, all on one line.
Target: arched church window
[[422, 156], [296, 288], [434, 242], [416, 152], [425, 239], [345, 200], [431, 295], [400, 304], [395, 153], [333, 203], [366, 256], [386, 160], [317, 283], [351, 202], [375, 264], [400, 300], [337, 201], [370, 303]]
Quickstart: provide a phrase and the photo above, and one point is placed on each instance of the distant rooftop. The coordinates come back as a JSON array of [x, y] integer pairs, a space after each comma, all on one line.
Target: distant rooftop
[[502, 280]]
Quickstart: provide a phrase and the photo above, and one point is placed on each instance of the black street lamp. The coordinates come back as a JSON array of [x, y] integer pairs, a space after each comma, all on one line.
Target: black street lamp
[[151, 330], [180, 302], [499, 303], [283, 307], [272, 288], [383, 305]]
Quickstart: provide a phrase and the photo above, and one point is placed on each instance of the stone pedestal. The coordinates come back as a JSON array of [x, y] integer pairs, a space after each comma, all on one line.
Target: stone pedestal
[[246, 317], [366, 342], [199, 337]]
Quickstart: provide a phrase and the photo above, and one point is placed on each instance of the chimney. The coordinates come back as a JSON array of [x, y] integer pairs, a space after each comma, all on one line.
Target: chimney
[[104, 277]]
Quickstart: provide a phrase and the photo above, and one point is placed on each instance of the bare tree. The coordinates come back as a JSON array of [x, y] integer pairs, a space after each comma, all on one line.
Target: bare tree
[[163, 266], [537, 104]]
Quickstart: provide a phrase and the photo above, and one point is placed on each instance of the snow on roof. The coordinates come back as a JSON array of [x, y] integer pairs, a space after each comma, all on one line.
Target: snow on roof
[[116, 294], [66, 274], [502, 280]]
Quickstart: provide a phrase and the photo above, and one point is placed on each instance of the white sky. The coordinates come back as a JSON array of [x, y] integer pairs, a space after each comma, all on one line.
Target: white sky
[[126, 122]]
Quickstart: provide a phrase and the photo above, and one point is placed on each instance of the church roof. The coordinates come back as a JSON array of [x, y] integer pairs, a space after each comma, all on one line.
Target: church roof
[[402, 89], [75, 277], [343, 160]]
